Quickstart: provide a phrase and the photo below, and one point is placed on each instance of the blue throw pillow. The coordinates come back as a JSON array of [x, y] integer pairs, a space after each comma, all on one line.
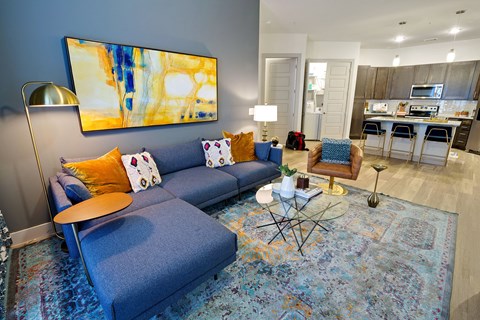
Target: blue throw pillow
[[336, 151], [262, 150], [75, 190]]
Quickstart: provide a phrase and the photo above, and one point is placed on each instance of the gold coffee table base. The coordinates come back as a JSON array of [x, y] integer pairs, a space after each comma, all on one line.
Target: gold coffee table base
[[336, 191]]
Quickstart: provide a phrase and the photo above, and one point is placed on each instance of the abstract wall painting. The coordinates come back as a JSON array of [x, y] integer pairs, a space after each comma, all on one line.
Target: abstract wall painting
[[122, 86]]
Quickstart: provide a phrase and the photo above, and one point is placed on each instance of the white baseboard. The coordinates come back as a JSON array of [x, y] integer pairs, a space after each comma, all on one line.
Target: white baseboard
[[31, 235]]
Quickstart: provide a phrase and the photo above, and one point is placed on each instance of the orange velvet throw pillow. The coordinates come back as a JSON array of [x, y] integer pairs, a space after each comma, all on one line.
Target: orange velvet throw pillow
[[102, 175], [243, 146]]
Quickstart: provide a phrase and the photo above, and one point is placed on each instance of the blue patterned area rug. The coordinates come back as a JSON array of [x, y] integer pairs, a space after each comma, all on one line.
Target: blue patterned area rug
[[392, 262]]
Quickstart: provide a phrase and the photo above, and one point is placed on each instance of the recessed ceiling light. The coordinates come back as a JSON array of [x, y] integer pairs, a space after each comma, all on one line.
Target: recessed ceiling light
[[400, 38], [455, 30]]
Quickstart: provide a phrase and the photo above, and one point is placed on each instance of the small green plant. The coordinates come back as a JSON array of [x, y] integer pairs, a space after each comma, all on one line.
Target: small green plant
[[286, 171]]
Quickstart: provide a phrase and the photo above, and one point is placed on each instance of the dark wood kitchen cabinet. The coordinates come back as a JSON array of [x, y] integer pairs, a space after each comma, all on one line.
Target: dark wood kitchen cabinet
[[364, 75], [370, 82], [475, 91], [461, 134], [420, 74], [401, 83], [382, 83], [361, 82], [437, 73], [458, 80], [357, 118], [430, 73]]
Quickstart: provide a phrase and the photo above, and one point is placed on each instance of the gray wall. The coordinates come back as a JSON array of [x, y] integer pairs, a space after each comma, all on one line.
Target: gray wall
[[32, 48]]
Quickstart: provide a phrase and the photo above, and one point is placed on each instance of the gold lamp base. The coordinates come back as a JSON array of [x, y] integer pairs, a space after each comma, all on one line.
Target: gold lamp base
[[335, 190]]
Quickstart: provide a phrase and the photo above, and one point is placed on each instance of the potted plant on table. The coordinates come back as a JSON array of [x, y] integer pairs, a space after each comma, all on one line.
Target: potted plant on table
[[287, 189]]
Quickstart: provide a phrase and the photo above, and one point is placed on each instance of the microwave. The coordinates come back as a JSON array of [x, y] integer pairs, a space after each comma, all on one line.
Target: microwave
[[426, 91]]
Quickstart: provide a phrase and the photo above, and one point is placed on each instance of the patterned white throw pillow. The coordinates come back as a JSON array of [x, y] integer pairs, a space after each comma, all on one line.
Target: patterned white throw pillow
[[218, 153], [141, 170]]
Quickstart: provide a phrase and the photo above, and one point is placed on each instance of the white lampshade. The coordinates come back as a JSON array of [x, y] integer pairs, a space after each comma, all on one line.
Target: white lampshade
[[451, 55], [265, 113], [396, 61]]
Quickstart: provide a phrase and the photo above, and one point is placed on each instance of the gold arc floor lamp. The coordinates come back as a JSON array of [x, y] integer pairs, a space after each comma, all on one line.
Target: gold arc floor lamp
[[46, 95], [265, 113]]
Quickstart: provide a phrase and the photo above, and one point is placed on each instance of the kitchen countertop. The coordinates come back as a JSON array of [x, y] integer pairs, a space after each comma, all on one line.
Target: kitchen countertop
[[417, 121], [440, 115], [378, 113], [458, 117]]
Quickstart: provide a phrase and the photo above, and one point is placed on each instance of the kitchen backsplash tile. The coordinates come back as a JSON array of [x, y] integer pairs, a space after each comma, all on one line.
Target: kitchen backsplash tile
[[447, 107]]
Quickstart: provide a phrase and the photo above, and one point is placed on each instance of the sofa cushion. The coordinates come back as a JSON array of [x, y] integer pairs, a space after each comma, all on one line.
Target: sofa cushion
[[199, 184], [102, 175], [252, 173], [75, 190], [178, 156], [141, 170], [243, 146], [218, 153], [336, 151], [262, 150], [139, 261]]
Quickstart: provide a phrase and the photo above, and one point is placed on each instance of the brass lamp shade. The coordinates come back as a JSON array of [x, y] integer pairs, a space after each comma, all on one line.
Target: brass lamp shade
[[46, 95], [51, 95]]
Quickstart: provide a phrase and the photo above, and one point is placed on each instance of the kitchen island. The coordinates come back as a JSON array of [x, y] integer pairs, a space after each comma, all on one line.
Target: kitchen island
[[420, 126]]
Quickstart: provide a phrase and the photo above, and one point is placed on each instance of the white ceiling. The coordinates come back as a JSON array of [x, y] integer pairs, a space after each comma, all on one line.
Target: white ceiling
[[373, 23]]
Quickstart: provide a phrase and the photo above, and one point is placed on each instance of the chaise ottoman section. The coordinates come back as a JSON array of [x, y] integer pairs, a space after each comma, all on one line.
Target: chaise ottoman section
[[144, 261]]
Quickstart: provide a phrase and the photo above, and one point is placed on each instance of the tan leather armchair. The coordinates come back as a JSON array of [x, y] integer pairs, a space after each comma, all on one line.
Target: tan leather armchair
[[314, 165]]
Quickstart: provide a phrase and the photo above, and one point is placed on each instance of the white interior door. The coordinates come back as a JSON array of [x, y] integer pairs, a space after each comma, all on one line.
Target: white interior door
[[280, 80], [335, 100]]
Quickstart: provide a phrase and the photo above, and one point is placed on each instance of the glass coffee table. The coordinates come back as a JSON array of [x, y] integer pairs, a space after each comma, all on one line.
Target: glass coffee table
[[292, 213]]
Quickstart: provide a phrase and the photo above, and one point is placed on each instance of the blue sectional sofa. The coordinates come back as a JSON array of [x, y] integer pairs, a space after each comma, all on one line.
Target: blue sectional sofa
[[145, 257]]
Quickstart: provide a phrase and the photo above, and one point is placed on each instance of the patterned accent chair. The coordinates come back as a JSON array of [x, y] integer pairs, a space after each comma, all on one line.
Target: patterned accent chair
[[350, 171]]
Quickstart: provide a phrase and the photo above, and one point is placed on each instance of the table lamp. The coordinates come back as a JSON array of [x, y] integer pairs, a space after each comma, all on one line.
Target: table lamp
[[265, 113], [46, 95]]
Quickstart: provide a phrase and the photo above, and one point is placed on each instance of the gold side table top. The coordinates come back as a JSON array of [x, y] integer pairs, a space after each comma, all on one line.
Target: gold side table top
[[379, 167], [96, 207]]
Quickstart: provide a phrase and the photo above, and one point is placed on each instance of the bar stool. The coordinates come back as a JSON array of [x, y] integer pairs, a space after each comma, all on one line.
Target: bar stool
[[404, 131], [437, 134], [373, 128]]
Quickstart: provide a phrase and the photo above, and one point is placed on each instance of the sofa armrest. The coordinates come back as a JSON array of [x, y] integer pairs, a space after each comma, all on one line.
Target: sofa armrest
[[62, 202], [59, 196], [276, 155], [314, 156]]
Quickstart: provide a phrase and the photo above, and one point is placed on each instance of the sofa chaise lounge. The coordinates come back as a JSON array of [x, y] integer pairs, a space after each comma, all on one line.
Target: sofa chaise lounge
[[145, 257]]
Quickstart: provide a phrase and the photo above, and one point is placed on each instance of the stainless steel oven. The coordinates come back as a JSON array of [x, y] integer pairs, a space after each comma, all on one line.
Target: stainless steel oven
[[426, 91], [417, 111]]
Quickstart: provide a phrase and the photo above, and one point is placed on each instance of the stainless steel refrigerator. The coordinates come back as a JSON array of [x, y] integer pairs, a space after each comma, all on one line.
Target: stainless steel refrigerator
[[473, 142]]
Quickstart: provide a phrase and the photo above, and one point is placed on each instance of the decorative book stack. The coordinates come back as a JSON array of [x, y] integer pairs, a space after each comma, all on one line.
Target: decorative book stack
[[308, 192]]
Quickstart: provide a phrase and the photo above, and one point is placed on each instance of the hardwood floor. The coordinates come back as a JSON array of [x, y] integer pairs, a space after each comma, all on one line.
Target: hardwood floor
[[454, 188]]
